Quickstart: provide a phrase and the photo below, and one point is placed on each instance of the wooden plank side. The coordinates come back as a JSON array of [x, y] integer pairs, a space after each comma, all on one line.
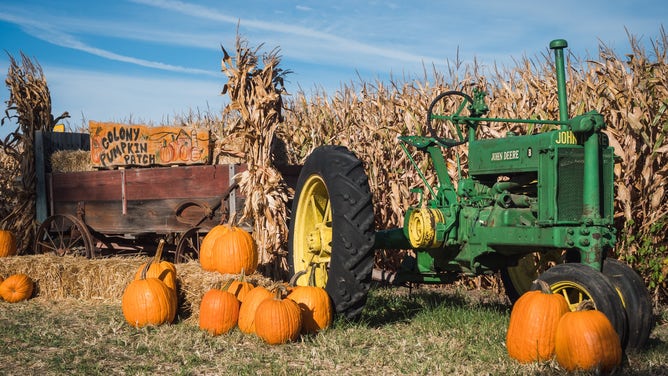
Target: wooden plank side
[[177, 182], [183, 182], [145, 216], [86, 186], [153, 197]]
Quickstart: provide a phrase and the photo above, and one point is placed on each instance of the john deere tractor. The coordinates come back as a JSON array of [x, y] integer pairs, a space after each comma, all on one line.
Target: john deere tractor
[[534, 206]]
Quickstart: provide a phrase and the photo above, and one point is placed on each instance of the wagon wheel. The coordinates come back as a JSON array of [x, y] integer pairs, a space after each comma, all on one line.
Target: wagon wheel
[[188, 246], [64, 234], [331, 232]]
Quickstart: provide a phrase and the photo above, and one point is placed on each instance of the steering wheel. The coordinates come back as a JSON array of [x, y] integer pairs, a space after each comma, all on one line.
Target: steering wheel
[[466, 101]]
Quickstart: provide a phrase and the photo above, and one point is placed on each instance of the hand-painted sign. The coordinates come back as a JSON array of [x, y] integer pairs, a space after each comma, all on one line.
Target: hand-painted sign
[[114, 145]]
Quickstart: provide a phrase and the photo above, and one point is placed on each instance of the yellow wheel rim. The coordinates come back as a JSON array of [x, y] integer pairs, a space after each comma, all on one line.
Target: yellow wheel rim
[[574, 293], [312, 240], [529, 267]]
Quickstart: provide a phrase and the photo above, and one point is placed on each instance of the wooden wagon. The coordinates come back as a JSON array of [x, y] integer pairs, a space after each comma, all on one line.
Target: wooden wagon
[[128, 210]]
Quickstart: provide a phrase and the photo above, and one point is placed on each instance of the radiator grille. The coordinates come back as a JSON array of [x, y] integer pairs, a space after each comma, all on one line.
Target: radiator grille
[[570, 174]]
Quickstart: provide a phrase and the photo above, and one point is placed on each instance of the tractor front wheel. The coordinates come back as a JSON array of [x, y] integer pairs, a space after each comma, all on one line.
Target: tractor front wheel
[[636, 300], [331, 233], [577, 282]]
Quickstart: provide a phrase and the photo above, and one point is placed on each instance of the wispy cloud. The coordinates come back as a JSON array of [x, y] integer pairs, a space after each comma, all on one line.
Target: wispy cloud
[[307, 36], [46, 32]]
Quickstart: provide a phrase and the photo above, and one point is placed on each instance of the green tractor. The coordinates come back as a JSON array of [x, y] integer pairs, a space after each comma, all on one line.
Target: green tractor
[[536, 206]]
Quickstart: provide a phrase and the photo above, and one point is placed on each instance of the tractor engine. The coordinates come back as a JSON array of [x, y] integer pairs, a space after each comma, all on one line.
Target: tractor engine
[[523, 194]]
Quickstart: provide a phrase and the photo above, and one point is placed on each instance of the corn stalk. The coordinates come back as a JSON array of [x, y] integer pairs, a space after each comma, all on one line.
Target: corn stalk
[[29, 106], [255, 91]]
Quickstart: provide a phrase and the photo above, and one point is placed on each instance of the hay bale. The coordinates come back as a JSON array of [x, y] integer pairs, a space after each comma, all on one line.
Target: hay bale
[[71, 161], [193, 282], [74, 277], [104, 280]]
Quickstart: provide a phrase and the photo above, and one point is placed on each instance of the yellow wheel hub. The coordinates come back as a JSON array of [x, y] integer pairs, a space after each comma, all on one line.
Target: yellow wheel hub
[[573, 292], [312, 243]]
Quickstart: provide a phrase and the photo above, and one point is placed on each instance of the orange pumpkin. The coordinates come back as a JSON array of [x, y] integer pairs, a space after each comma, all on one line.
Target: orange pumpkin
[[240, 287], [218, 311], [148, 301], [160, 269], [278, 320], [315, 305], [249, 307], [586, 340], [533, 323], [7, 243], [206, 257], [16, 288], [234, 251]]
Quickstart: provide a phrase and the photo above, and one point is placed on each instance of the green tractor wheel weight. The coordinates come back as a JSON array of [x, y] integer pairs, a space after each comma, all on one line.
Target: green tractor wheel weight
[[539, 205]]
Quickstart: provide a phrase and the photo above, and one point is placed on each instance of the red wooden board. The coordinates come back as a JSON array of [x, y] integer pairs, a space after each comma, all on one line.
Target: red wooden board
[[140, 200]]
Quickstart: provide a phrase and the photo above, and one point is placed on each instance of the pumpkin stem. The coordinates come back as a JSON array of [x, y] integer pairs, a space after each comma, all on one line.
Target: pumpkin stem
[[311, 276], [158, 253], [544, 287], [242, 277], [226, 286], [230, 220], [145, 270], [295, 277], [586, 305], [280, 292]]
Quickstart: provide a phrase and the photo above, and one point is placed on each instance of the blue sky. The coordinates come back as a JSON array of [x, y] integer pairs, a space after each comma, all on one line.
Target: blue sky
[[147, 60]]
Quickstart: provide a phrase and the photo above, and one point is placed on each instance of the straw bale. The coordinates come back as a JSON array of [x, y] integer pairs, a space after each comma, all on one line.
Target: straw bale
[[103, 280], [71, 161]]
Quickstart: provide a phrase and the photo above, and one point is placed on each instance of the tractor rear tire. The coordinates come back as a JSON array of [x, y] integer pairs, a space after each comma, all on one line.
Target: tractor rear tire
[[333, 203], [636, 299], [578, 282]]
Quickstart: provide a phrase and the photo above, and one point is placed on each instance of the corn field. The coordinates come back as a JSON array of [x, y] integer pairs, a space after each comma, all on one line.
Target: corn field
[[631, 92]]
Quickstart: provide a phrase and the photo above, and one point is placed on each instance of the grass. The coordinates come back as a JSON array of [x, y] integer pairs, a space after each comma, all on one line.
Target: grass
[[429, 331]]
